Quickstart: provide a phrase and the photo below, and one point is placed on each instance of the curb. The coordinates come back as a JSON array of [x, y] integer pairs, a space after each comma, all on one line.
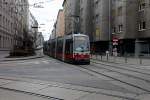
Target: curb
[[21, 59], [116, 62]]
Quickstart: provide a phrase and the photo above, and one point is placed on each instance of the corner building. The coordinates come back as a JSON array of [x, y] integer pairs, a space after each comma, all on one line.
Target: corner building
[[130, 25]]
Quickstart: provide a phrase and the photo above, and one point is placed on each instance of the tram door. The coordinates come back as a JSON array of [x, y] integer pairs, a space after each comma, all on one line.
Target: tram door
[[69, 50]]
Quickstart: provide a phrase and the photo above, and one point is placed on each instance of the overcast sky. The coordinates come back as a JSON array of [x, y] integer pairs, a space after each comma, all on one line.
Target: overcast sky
[[46, 15]]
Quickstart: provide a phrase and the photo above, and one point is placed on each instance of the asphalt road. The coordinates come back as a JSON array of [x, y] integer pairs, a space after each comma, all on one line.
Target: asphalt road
[[96, 75]]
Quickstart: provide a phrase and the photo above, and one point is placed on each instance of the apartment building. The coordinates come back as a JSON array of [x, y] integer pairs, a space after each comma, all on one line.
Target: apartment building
[[71, 13], [142, 43], [131, 24], [120, 24], [13, 18], [125, 25]]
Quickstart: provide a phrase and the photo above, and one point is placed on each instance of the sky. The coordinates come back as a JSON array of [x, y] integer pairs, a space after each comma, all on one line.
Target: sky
[[46, 16]]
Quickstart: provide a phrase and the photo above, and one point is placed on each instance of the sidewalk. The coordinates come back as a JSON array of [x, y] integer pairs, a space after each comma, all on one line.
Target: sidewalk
[[123, 60], [4, 54], [59, 91]]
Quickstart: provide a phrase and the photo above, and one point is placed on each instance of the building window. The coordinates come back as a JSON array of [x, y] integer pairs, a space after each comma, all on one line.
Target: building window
[[120, 28], [96, 4], [0, 41], [114, 30], [120, 11], [81, 11], [96, 18], [142, 5], [142, 25]]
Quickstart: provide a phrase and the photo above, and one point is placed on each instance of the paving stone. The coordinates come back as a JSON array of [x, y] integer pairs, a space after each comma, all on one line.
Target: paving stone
[[66, 94], [24, 86], [2, 81], [10, 95], [144, 97], [129, 88], [99, 97]]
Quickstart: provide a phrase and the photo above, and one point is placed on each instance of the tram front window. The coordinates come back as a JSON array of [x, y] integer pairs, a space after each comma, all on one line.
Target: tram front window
[[81, 44]]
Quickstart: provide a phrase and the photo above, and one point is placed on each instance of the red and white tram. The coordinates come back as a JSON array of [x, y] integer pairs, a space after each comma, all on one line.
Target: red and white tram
[[73, 48]]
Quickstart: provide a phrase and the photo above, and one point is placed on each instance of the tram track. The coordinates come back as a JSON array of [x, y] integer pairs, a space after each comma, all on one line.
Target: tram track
[[89, 68], [129, 75], [31, 94], [70, 88], [114, 78], [131, 68]]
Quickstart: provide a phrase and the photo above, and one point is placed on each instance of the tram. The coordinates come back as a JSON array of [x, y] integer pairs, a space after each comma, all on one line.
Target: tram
[[73, 48]]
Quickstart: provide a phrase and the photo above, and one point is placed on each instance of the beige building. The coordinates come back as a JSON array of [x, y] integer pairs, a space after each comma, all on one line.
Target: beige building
[[13, 22], [53, 33], [60, 24]]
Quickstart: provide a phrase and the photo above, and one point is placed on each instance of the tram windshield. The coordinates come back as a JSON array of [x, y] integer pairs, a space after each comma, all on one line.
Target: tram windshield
[[81, 44]]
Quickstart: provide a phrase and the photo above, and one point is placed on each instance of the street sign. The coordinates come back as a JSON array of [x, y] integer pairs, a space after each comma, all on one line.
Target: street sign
[[115, 40]]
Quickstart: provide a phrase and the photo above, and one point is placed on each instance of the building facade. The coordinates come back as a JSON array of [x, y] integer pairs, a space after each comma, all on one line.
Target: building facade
[[125, 25], [39, 43], [32, 29], [53, 33], [131, 27], [13, 20], [117, 24], [86, 24], [60, 24], [95, 21], [142, 42], [71, 13], [112, 24]]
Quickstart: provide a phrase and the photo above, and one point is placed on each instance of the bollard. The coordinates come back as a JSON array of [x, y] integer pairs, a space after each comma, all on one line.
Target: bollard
[[107, 57], [96, 57], [140, 61], [114, 58], [125, 59], [101, 57]]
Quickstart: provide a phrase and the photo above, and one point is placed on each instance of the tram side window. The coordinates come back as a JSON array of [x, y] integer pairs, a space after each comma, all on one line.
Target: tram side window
[[60, 47], [69, 47], [53, 48]]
